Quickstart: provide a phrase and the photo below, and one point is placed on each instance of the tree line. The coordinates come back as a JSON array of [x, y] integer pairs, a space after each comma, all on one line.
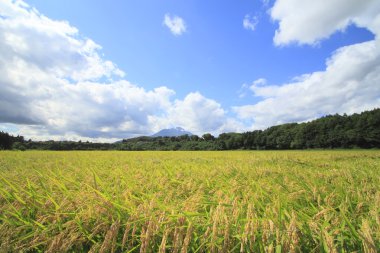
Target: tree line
[[329, 132]]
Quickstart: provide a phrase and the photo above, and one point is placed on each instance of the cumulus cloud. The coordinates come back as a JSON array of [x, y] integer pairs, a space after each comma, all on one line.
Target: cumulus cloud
[[250, 22], [307, 22], [48, 75], [175, 24], [52, 46], [198, 115], [55, 84], [350, 82]]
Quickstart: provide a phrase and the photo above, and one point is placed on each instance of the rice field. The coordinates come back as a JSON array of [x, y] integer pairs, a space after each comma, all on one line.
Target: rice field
[[243, 201]]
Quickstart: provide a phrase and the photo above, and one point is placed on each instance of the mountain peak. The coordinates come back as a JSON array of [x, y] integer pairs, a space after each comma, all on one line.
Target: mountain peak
[[175, 131]]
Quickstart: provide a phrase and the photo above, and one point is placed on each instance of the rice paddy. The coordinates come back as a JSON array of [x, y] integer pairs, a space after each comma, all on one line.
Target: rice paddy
[[243, 201]]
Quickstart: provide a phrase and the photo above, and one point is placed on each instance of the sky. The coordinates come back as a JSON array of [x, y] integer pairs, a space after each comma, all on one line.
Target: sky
[[106, 70]]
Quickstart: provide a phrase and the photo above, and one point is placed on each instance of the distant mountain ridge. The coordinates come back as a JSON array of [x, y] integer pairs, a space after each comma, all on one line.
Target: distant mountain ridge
[[171, 132]]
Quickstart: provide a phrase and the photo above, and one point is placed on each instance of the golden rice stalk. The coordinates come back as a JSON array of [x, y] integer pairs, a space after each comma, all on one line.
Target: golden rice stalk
[[133, 236], [162, 248], [142, 238], [226, 241], [368, 243], [148, 235], [187, 239], [125, 235], [329, 241], [94, 248], [293, 233], [56, 244], [178, 234], [73, 238], [109, 242]]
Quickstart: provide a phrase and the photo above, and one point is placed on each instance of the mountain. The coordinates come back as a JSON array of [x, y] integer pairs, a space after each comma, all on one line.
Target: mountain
[[177, 131]]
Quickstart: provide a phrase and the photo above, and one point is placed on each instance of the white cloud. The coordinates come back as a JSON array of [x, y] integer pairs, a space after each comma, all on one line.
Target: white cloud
[[250, 22], [51, 89], [53, 46], [349, 84], [259, 82], [198, 115], [176, 24], [309, 21]]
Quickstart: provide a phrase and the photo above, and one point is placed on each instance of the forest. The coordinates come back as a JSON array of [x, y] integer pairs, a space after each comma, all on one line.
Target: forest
[[329, 132]]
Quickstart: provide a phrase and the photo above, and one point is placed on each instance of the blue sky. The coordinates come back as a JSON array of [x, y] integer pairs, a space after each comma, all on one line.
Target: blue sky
[[216, 54], [214, 75]]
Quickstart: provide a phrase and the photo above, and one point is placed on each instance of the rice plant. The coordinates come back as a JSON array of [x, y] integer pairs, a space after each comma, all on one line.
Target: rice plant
[[243, 201]]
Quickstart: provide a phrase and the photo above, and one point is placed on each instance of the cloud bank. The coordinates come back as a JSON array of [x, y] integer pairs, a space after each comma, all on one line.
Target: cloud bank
[[55, 84], [351, 81]]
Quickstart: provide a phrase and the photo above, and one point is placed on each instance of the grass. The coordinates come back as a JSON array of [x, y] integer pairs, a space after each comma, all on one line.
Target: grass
[[283, 201]]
